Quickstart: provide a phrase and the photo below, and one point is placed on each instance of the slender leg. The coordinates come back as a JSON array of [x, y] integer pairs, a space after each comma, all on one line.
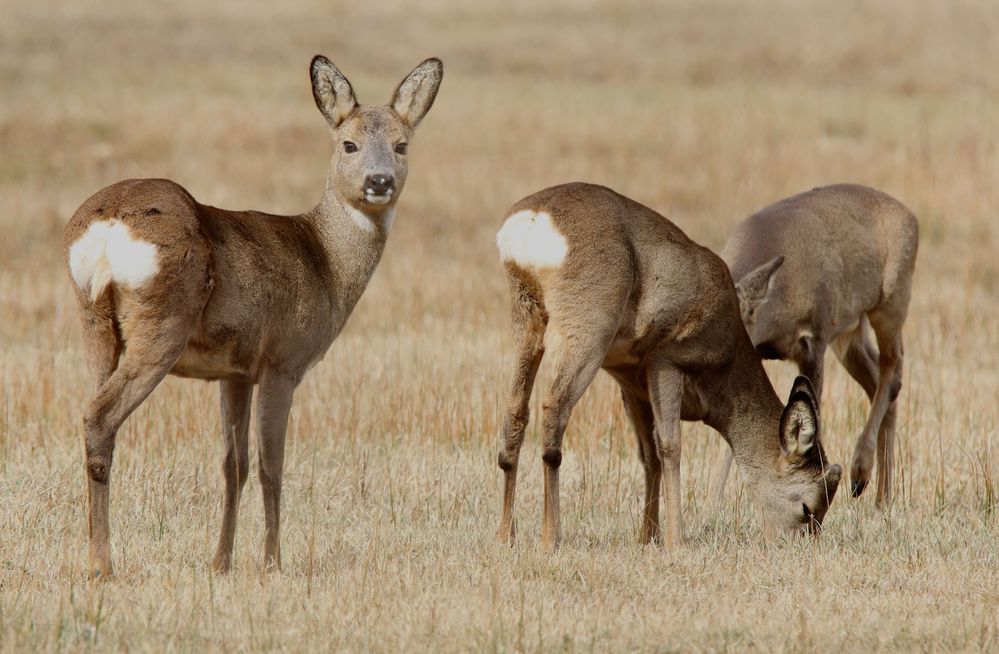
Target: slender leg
[[141, 368], [102, 349], [666, 393], [721, 478], [860, 358], [514, 425], [273, 405], [529, 323], [102, 359], [889, 384], [101, 344], [235, 401], [886, 458], [642, 419], [886, 434], [574, 371]]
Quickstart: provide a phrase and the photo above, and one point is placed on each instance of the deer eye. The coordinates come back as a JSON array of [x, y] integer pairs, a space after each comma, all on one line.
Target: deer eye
[[808, 515], [349, 146], [400, 148]]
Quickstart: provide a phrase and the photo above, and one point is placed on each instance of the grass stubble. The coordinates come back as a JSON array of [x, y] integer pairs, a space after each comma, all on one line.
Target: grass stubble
[[391, 499]]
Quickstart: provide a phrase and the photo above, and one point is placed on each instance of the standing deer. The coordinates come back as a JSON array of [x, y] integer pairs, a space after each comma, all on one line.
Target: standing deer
[[821, 269], [602, 281], [170, 286]]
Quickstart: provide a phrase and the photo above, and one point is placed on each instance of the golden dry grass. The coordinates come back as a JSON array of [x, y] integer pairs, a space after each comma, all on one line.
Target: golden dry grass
[[704, 111]]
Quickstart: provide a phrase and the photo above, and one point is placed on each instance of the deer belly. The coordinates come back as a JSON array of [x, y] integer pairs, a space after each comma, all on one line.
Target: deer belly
[[208, 363], [620, 353]]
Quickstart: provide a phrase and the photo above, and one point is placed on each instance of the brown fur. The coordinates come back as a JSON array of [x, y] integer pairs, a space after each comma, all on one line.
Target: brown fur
[[637, 297], [822, 268], [243, 297]]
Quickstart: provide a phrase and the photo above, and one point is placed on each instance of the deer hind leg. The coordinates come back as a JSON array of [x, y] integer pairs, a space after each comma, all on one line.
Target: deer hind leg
[[153, 346], [102, 349], [529, 321], [860, 358], [530, 350], [886, 457], [235, 401], [878, 434], [643, 421], [273, 406], [577, 360], [101, 341]]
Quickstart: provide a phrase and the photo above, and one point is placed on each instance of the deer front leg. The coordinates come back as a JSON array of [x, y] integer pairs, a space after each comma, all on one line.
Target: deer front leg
[[642, 420], [235, 401], [273, 405], [666, 393], [721, 478]]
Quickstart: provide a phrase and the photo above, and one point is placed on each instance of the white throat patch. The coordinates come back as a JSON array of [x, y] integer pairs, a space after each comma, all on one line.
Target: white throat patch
[[388, 218], [360, 218], [366, 222], [530, 239], [108, 253]]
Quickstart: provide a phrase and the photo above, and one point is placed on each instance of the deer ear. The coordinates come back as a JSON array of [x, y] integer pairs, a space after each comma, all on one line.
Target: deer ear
[[799, 423], [415, 94], [753, 287], [333, 93]]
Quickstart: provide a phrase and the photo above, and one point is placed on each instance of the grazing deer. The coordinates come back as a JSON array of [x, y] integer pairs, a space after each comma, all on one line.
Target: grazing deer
[[599, 280], [821, 269], [170, 286]]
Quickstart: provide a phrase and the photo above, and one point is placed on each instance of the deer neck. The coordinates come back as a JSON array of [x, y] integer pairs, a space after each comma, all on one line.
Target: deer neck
[[353, 241], [748, 414]]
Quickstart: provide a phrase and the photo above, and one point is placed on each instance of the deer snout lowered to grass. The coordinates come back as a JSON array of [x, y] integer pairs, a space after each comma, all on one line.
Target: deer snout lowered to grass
[[167, 285], [823, 269], [600, 281]]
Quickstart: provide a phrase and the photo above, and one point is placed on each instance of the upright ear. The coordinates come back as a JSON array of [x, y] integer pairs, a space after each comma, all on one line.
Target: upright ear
[[752, 288], [799, 423], [415, 95], [333, 93]]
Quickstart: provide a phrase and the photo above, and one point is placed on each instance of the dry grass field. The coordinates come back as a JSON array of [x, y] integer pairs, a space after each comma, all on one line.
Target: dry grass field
[[704, 111]]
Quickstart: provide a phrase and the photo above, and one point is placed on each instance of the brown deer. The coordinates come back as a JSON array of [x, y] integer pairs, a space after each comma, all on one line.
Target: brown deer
[[600, 281], [824, 268], [170, 286]]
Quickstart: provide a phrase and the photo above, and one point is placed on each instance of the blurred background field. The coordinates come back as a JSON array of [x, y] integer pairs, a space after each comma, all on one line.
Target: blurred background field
[[705, 111]]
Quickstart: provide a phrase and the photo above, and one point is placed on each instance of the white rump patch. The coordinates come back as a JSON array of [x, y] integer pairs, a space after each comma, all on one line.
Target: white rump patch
[[108, 253], [530, 239]]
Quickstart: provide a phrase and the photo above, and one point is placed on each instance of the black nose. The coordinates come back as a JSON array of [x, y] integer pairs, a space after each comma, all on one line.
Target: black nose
[[379, 184]]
